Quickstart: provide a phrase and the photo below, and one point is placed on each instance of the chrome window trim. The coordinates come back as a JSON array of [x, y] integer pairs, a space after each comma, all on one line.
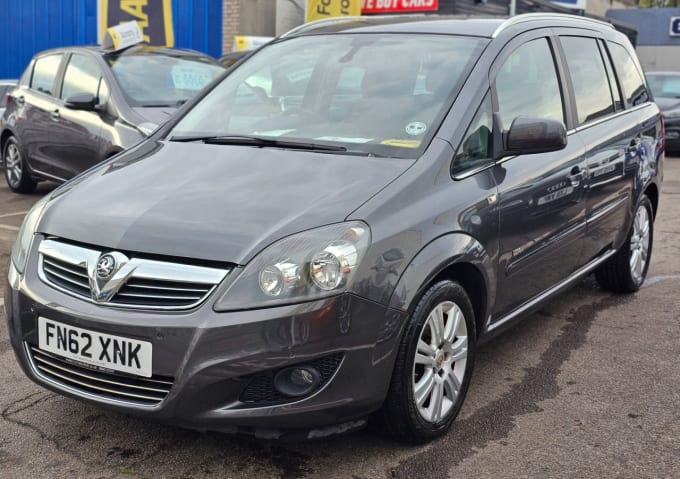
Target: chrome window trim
[[611, 116], [144, 269]]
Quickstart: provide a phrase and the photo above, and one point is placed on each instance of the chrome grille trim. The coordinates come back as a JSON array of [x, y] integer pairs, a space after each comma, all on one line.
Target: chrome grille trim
[[138, 391], [151, 284]]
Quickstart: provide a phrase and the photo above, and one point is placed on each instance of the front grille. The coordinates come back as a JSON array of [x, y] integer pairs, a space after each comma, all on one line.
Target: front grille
[[110, 386], [143, 283], [160, 293], [69, 276], [260, 390]]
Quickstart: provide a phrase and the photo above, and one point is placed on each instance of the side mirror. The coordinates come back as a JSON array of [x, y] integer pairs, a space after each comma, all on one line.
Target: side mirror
[[81, 101], [528, 136]]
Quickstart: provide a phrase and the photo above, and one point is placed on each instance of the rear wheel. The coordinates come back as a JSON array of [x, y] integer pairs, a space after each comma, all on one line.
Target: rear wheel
[[16, 172], [627, 269], [433, 367]]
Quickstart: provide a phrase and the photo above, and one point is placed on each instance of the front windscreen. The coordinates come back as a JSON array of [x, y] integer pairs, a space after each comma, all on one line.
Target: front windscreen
[[155, 79], [664, 85], [381, 94]]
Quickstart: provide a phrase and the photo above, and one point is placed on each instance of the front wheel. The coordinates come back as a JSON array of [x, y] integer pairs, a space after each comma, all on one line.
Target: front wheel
[[16, 172], [627, 269], [433, 367]]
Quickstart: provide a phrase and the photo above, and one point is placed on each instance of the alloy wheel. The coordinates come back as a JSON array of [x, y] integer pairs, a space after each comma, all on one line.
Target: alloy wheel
[[13, 165], [639, 244], [439, 365]]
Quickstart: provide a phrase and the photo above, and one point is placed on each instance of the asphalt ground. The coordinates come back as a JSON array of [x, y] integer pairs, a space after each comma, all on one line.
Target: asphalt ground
[[586, 387]]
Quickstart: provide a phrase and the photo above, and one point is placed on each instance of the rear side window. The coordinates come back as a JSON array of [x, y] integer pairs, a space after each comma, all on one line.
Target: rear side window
[[45, 73], [527, 85], [613, 86], [82, 76], [589, 78], [631, 80]]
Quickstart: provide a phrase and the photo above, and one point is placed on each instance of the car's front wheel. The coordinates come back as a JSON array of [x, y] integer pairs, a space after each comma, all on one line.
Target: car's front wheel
[[16, 172], [627, 269], [433, 367]]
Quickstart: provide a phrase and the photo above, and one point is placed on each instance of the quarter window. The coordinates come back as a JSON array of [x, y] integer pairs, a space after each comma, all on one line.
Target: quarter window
[[616, 93], [82, 76], [589, 78], [527, 85], [475, 149], [45, 73], [631, 80]]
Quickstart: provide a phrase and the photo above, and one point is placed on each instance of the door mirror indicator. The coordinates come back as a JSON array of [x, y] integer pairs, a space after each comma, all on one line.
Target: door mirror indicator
[[81, 101], [528, 136]]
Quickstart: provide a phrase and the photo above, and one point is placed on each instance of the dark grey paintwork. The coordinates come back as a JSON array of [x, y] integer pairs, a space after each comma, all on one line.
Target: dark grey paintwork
[[330, 188], [225, 203], [60, 142]]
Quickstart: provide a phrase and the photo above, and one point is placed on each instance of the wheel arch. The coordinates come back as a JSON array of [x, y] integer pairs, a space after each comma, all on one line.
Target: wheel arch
[[4, 136], [652, 192], [456, 257]]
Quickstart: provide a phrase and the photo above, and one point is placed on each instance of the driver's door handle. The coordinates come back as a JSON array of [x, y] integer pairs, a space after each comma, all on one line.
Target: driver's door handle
[[55, 115]]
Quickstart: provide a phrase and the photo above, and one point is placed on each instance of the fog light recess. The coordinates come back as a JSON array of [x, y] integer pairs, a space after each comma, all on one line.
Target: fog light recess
[[297, 381]]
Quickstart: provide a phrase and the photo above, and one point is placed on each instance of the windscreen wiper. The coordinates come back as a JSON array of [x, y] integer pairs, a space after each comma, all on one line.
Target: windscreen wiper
[[259, 142]]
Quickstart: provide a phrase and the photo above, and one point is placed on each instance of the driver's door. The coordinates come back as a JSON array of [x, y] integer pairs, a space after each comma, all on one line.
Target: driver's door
[[541, 196], [76, 134]]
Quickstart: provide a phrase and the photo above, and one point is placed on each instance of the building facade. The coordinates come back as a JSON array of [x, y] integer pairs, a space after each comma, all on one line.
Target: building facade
[[658, 44], [32, 26]]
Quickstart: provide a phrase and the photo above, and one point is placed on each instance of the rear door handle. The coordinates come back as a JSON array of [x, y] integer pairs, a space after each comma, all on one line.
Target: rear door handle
[[55, 115]]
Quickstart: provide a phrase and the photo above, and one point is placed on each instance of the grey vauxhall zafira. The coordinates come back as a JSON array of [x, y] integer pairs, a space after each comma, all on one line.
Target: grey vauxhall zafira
[[326, 235]]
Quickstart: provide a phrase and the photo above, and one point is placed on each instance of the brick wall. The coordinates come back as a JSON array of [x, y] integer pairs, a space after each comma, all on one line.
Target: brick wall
[[231, 21]]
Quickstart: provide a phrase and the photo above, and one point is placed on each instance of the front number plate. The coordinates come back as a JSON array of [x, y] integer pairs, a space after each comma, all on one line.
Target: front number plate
[[96, 349]]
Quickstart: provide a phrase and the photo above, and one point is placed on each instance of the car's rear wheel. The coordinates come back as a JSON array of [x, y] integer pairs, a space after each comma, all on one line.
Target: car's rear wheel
[[627, 269], [433, 367], [16, 172]]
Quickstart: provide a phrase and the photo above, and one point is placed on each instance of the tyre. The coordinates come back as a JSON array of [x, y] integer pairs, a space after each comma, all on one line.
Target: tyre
[[16, 171], [627, 269], [433, 367]]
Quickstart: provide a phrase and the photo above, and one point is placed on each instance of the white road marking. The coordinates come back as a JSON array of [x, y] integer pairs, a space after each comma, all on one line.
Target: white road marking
[[8, 227], [13, 214], [658, 279]]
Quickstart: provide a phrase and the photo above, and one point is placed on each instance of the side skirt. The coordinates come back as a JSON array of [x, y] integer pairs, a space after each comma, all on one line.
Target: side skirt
[[537, 300]]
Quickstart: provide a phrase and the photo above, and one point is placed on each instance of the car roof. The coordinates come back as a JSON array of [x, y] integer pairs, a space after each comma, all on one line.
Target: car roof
[[441, 24], [139, 49]]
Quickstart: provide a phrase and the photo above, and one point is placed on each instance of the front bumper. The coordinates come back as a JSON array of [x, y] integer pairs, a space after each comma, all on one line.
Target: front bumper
[[211, 358]]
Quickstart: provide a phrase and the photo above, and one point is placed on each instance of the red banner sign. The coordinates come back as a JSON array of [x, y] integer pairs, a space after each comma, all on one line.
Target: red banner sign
[[387, 6]]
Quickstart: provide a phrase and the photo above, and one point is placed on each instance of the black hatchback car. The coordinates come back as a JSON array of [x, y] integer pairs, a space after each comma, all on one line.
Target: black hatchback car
[[75, 107], [328, 233]]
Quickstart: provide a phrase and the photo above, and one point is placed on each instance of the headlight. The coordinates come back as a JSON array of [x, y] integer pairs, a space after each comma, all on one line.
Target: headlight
[[23, 241], [308, 265]]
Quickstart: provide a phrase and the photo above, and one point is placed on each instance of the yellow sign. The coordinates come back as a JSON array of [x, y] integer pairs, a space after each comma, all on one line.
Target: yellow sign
[[249, 42], [154, 18], [320, 9]]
